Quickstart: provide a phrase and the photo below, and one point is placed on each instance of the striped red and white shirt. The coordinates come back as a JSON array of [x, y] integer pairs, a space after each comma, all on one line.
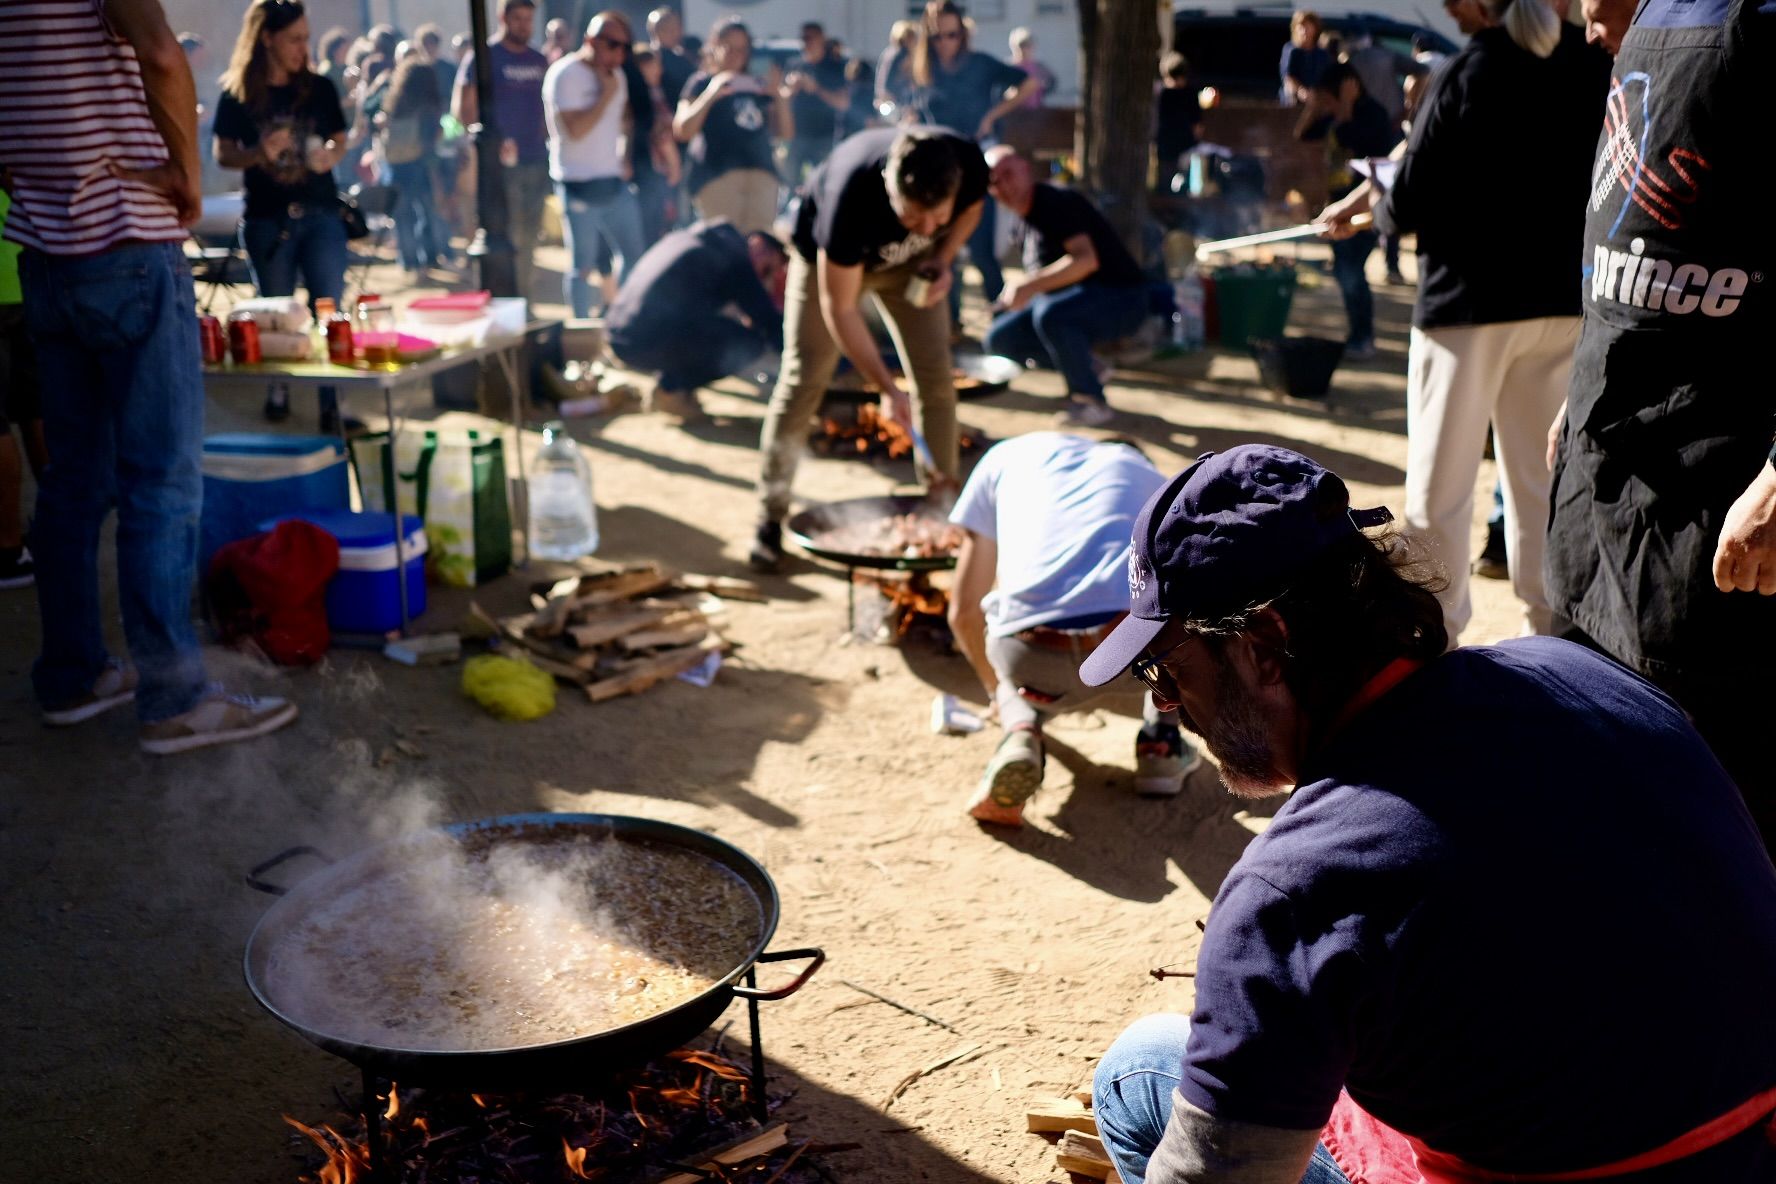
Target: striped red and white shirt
[[71, 101]]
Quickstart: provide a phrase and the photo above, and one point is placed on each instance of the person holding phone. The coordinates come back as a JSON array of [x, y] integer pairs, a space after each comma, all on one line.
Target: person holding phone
[[726, 116]]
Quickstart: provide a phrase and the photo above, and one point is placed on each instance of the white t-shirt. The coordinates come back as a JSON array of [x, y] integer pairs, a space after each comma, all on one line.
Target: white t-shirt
[[572, 85], [1061, 509]]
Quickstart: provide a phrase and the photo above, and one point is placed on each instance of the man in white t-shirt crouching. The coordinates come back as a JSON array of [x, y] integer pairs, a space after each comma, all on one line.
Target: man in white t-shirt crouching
[[586, 107], [1041, 579]]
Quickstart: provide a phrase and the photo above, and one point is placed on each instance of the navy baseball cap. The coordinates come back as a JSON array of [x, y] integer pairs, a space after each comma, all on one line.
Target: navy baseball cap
[[1231, 531]]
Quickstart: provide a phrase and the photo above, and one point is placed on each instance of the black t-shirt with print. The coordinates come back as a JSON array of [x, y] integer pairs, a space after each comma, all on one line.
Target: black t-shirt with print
[[845, 210], [961, 98], [1057, 215], [308, 107], [736, 133]]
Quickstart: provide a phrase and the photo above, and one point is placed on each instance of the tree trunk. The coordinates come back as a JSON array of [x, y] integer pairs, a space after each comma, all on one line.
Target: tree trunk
[[1118, 67]]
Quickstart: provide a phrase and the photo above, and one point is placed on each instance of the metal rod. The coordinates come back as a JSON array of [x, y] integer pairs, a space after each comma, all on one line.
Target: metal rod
[[388, 407], [759, 1110], [373, 1128]]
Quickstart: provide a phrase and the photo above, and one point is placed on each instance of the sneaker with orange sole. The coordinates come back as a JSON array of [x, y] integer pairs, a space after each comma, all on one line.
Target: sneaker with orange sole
[[1013, 776]]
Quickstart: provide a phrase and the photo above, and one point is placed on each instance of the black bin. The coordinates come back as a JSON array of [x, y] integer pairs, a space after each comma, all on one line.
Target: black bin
[[1300, 367]]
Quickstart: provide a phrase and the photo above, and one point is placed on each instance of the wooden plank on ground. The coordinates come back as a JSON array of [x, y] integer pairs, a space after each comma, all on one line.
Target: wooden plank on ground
[[639, 676], [602, 628], [726, 587], [763, 1143], [1054, 1115], [653, 639], [1084, 1154]]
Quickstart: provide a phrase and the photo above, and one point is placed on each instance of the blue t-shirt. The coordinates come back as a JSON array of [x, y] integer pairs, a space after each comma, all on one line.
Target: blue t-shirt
[[1517, 908], [1060, 509], [517, 97], [960, 98]]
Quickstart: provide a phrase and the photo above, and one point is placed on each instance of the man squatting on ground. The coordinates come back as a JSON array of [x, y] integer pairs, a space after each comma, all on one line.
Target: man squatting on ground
[[888, 206], [669, 315], [1039, 582], [1080, 287], [1435, 962]]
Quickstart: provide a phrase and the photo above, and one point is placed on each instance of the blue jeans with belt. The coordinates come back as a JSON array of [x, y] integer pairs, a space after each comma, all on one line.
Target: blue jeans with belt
[[311, 245], [1057, 330], [1132, 1098], [116, 339]]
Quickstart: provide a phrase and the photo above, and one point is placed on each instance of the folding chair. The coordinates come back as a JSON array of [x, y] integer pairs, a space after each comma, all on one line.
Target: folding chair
[[377, 204], [216, 266]]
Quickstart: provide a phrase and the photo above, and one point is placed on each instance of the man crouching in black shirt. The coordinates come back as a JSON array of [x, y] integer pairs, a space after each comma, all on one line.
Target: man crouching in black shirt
[[669, 314], [886, 214]]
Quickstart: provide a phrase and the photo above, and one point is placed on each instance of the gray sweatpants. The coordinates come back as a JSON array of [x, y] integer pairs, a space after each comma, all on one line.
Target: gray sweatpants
[[1051, 677]]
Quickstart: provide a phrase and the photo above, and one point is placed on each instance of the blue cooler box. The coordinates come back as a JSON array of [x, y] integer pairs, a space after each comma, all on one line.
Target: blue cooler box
[[251, 476], [363, 596]]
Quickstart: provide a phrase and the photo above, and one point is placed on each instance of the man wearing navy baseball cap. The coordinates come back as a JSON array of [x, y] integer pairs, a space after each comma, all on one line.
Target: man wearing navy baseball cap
[[1432, 964]]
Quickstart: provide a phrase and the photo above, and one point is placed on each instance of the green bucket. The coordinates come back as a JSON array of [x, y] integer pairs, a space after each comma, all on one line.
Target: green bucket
[[1253, 302]]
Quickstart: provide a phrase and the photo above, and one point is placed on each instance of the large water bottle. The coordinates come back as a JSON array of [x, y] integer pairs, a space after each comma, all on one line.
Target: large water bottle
[[563, 520]]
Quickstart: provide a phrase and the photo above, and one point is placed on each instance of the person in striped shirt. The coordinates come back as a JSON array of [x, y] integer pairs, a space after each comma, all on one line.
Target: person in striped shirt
[[98, 148]]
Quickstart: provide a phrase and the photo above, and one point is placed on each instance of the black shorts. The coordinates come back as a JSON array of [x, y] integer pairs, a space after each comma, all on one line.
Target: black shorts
[[19, 384]]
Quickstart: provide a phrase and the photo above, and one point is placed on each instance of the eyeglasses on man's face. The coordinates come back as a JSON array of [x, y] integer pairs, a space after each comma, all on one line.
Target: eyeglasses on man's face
[[1156, 676], [613, 43]]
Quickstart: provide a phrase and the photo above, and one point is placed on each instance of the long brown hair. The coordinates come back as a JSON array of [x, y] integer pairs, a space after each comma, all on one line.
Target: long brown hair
[[245, 76], [924, 57]]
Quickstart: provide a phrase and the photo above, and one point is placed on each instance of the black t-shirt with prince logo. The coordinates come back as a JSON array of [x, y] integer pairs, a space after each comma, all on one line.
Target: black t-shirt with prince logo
[[845, 210], [307, 107], [736, 133]]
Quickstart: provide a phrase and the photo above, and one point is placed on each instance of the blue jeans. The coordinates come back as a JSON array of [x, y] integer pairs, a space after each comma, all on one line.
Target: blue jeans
[[1132, 1098], [980, 253], [603, 210], [1056, 331], [719, 347], [419, 230], [116, 338], [312, 247], [1348, 257]]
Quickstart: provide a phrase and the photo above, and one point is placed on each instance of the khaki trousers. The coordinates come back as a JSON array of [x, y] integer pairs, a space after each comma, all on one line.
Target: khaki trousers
[[810, 355], [1458, 380], [745, 197]]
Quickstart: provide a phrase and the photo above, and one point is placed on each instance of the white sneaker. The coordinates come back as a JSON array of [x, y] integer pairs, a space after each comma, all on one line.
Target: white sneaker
[[1085, 413], [113, 688], [221, 719]]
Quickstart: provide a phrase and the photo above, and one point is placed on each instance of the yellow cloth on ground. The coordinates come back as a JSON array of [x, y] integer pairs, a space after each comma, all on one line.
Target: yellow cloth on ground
[[509, 688]]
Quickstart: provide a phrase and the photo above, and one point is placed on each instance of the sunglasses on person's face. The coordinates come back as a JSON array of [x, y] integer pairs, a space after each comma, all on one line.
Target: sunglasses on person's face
[[1151, 670], [613, 43], [946, 36]]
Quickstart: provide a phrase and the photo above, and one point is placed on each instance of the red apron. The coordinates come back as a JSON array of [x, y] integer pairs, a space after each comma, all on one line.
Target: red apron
[[1368, 1151]]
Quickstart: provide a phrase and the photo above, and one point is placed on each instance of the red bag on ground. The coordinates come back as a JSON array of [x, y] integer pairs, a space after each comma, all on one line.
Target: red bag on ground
[[272, 588]]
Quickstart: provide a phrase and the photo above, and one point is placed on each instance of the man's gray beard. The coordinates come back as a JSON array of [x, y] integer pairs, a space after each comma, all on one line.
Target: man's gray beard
[[1238, 739]]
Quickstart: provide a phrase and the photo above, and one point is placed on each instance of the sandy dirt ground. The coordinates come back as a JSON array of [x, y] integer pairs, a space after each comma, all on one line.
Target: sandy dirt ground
[[135, 1052]]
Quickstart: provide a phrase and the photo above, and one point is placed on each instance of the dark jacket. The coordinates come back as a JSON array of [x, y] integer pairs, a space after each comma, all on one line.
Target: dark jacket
[[1495, 181]]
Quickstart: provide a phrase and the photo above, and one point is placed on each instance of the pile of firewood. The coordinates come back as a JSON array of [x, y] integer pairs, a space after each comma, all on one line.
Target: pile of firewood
[[1079, 1149], [620, 632]]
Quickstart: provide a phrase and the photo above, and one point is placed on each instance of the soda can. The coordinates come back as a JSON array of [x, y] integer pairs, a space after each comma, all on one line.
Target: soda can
[[243, 339], [339, 341], [215, 342]]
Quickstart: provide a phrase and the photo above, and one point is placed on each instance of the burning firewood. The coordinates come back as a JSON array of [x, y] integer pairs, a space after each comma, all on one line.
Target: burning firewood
[[688, 1109]]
